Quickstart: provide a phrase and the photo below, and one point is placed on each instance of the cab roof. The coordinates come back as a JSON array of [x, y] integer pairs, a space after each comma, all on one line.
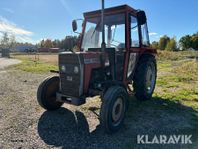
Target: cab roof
[[112, 10]]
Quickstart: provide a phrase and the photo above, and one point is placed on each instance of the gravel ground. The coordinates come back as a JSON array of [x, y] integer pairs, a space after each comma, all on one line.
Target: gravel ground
[[24, 124]]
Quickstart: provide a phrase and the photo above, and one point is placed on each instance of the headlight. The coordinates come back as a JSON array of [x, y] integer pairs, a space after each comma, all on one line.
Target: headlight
[[76, 69], [63, 68]]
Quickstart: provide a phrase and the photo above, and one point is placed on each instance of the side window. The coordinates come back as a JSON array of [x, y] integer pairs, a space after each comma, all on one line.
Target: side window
[[145, 37], [134, 32]]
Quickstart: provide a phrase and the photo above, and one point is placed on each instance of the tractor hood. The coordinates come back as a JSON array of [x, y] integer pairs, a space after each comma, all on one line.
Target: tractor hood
[[83, 57], [74, 68]]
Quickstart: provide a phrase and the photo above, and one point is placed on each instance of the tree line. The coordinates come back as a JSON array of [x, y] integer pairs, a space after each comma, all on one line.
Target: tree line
[[170, 44], [69, 42], [8, 41]]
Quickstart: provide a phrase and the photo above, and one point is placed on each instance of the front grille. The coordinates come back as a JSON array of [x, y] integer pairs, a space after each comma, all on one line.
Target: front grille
[[71, 82]]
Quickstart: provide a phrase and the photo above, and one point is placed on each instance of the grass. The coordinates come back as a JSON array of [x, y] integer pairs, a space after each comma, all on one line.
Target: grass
[[176, 95], [177, 75], [173, 56], [30, 63], [174, 107], [178, 80], [51, 58]]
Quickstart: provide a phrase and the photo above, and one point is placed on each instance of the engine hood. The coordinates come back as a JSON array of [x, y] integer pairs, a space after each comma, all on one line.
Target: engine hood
[[84, 57]]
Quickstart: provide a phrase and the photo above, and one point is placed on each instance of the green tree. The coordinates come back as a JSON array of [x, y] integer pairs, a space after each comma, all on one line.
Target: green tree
[[172, 45], [163, 42], [186, 42], [12, 42], [5, 41], [56, 43], [195, 41], [155, 45], [8, 42], [69, 42], [42, 44]]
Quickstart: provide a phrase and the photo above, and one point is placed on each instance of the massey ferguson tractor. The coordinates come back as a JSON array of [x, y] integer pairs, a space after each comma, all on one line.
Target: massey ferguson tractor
[[115, 61]]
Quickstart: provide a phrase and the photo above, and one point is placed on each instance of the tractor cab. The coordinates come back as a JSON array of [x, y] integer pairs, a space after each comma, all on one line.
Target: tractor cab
[[125, 31], [114, 55], [120, 24]]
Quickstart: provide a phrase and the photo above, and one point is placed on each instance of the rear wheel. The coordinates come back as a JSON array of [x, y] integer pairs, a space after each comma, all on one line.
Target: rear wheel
[[46, 93], [113, 109], [145, 78]]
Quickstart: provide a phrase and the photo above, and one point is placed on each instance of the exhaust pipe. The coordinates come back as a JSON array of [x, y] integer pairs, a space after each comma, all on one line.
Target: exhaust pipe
[[103, 45]]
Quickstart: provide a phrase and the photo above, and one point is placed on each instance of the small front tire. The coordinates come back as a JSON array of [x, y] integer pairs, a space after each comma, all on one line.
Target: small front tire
[[46, 94]]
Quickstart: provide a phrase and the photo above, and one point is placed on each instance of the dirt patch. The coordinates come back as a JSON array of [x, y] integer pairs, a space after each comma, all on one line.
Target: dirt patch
[[5, 62]]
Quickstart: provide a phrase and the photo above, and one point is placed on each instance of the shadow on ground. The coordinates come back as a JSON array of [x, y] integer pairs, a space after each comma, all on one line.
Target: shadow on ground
[[158, 116]]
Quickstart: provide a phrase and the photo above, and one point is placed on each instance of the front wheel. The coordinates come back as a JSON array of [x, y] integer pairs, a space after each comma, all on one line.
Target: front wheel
[[46, 93], [113, 109]]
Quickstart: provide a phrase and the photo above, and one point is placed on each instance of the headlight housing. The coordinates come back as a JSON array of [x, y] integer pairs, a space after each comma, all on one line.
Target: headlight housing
[[76, 69], [63, 68]]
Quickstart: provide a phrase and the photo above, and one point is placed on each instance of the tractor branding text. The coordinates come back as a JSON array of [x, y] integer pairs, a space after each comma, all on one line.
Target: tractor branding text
[[91, 61]]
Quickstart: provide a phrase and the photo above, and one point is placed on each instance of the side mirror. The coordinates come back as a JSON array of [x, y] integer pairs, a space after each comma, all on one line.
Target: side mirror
[[141, 16], [74, 25]]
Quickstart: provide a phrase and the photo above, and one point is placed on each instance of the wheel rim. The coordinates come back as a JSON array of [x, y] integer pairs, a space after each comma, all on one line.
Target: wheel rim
[[150, 79], [117, 111]]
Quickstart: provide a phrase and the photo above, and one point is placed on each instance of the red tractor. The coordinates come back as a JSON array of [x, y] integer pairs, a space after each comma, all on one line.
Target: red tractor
[[115, 55]]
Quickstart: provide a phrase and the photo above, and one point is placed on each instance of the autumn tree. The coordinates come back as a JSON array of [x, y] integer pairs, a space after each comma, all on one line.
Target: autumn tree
[[48, 43], [68, 43]]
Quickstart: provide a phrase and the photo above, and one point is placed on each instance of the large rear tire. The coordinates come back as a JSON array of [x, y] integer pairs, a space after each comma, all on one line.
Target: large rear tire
[[145, 77], [113, 109], [46, 94]]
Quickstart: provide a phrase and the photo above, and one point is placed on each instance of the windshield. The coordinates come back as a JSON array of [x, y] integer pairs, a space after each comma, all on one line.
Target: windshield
[[114, 32]]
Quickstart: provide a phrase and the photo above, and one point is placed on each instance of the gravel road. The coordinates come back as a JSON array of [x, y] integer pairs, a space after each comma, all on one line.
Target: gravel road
[[5, 62], [24, 124]]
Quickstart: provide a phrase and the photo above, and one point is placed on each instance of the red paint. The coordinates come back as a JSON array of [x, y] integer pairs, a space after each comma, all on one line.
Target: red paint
[[52, 50], [89, 67], [141, 50]]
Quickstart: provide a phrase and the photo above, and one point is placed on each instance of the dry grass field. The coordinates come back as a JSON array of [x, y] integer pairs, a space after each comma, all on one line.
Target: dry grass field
[[48, 58], [172, 110]]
